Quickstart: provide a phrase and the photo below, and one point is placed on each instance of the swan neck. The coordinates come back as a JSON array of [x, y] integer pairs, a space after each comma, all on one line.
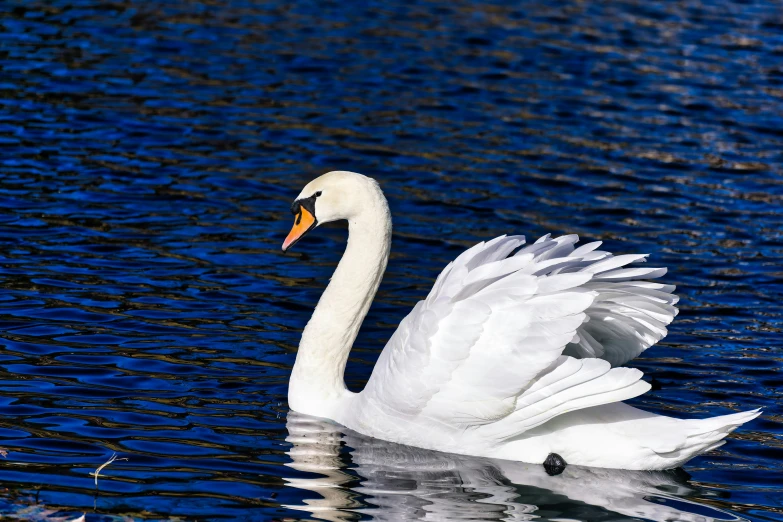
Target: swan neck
[[317, 381]]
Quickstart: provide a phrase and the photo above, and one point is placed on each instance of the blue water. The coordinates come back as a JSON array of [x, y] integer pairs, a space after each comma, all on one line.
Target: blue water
[[149, 152]]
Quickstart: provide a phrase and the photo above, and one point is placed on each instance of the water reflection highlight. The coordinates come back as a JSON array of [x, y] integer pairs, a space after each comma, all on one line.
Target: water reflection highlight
[[354, 475]]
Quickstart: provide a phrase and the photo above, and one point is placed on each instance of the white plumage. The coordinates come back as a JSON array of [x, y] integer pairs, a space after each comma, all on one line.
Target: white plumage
[[514, 354]]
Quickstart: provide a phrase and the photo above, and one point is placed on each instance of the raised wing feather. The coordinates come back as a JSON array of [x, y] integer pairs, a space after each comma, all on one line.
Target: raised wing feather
[[497, 343]]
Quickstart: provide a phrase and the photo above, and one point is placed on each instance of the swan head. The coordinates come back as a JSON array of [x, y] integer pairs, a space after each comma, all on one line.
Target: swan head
[[333, 196]]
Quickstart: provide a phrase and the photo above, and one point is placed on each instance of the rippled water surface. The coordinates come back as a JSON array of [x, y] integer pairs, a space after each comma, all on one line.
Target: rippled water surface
[[149, 152]]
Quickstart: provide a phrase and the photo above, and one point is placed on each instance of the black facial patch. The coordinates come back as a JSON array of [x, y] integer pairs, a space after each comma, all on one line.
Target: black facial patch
[[306, 203]]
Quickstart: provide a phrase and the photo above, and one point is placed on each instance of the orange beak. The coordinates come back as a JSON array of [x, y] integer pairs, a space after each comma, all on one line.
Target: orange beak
[[303, 223]]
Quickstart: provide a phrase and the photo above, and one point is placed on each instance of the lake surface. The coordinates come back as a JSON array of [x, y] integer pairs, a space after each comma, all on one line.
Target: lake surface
[[149, 152]]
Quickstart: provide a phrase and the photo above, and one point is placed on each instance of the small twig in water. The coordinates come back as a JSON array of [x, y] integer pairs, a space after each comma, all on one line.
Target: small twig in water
[[98, 471]]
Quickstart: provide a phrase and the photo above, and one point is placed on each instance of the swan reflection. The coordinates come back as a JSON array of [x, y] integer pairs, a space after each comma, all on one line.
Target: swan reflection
[[354, 475]]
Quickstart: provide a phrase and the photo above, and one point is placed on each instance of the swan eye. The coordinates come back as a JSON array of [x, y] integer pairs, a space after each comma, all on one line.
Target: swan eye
[[318, 194]]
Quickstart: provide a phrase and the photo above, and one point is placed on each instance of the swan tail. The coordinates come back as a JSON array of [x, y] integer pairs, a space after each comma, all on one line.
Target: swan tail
[[617, 435], [703, 435]]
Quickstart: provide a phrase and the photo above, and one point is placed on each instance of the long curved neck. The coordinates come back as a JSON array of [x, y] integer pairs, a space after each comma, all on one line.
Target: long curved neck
[[317, 381]]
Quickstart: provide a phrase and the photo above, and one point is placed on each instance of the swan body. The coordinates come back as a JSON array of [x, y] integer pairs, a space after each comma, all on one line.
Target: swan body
[[516, 352], [398, 482]]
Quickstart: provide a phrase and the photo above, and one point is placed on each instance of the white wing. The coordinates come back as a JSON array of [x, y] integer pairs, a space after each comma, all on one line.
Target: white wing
[[515, 340]]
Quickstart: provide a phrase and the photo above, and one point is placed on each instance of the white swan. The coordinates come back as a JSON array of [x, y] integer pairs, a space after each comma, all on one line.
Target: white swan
[[514, 353]]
